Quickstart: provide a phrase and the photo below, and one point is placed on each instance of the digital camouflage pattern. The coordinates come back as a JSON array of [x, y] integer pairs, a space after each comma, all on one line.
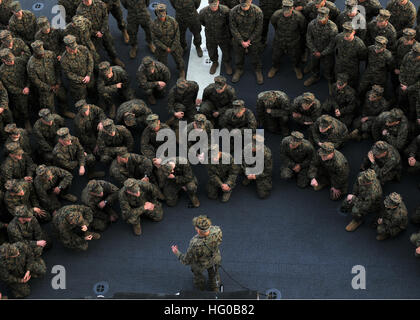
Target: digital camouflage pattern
[[402, 16], [108, 144], [24, 28], [86, 126], [273, 108], [138, 14], [187, 18], [337, 134], [137, 167]]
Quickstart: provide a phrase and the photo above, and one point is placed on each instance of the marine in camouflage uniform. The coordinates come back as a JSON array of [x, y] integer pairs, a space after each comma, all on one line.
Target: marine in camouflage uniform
[[343, 101], [6, 116], [71, 8], [113, 82], [176, 175], [149, 143], [394, 219], [138, 14], [403, 15], [215, 19], [349, 51], [187, 18], [380, 62], [139, 199], [374, 104], [199, 126], [391, 127], [329, 129], [51, 38], [166, 38], [114, 7], [320, 36], [131, 165], [16, 45], [21, 192], [77, 65], [296, 154], [153, 77], [174, 122], [17, 260], [18, 164], [366, 198], [99, 196], [51, 183], [5, 13], [412, 152], [183, 93], [310, 11], [351, 14], [217, 98], [385, 160], [15, 79], [71, 224], [372, 8], [23, 23], [273, 108], [382, 27], [45, 132], [222, 172], [329, 167], [305, 109], [87, 123], [246, 23], [238, 117], [97, 13], [203, 253], [268, 8], [111, 137], [132, 114], [44, 73], [404, 45], [25, 228], [19, 136], [263, 180]]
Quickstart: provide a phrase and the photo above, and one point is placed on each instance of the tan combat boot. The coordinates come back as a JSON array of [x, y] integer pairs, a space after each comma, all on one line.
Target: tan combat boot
[[382, 236], [69, 115], [194, 200], [213, 67], [118, 62], [228, 68], [95, 235], [307, 69], [259, 75], [237, 75], [151, 99], [152, 47], [299, 74], [355, 135], [69, 197], [112, 111], [199, 51], [182, 74], [125, 35], [272, 72], [137, 229], [311, 80], [353, 225], [133, 52], [226, 196]]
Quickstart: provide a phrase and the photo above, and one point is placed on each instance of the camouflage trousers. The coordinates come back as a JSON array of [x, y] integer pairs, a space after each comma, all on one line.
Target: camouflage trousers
[[155, 215], [264, 186], [207, 108], [351, 71], [213, 191], [20, 107], [133, 23], [324, 179], [79, 91], [108, 42], [101, 220], [21, 290], [171, 192], [302, 179], [415, 217], [415, 240], [253, 51], [6, 117], [278, 125], [107, 100], [408, 102], [117, 174], [324, 63], [225, 46], [162, 56], [369, 79], [200, 280], [389, 176], [156, 91], [347, 119], [390, 230], [114, 8], [364, 127], [293, 50], [47, 99], [109, 154], [195, 27]]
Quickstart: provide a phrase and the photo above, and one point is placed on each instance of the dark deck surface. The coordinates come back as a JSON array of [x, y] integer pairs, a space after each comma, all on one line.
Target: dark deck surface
[[294, 241]]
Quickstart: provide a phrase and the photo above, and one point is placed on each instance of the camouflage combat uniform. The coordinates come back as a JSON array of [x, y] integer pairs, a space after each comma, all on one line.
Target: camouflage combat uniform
[[16, 45], [24, 28], [148, 80], [183, 93], [395, 134], [268, 7], [278, 103], [6, 116], [12, 168], [71, 8], [23, 139], [347, 16], [413, 150], [5, 13], [149, 144], [231, 121], [305, 118], [137, 167], [114, 7], [310, 11], [133, 114], [394, 217], [337, 134], [389, 32], [401, 16], [53, 40], [138, 14]]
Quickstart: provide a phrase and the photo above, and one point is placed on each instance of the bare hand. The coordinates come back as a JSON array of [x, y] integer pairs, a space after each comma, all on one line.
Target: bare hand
[[84, 228], [314, 183], [57, 190], [102, 204], [171, 176], [336, 193], [225, 187], [86, 79], [149, 206], [268, 110], [350, 197], [371, 157], [384, 132], [161, 84], [25, 91], [297, 168], [337, 113], [317, 54], [81, 170], [175, 249], [41, 243], [179, 114], [28, 178], [89, 237], [99, 34], [403, 87], [397, 71], [119, 85], [215, 114], [412, 161], [39, 212], [364, 119], [198, 102], [296, 115]]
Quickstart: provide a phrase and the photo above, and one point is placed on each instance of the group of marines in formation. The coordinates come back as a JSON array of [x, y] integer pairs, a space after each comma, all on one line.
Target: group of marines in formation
[[36, 57]]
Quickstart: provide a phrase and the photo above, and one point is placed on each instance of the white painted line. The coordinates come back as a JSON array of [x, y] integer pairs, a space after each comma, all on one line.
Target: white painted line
[[198, 69]]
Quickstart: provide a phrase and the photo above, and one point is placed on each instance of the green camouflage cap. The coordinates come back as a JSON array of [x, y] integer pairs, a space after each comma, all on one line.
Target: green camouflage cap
[[416, 47], [379, 147], [202, 222], [160, 7], [179, 107], [104, 67], [342, 78], [245, 3], [43, 22], [219, 82], [129, 119], [14, 148], [11, 128], [147, 61], [326, 148], [395, 115], [15, 6], [7, 55], [367, 176], [38, 47], [236, 104], [41, 170], [12, 185], [351, 3], [122, 152], [287, 3], [308, 97], [75, 218], [348, 27], [317, 1], [199, 117], [79, 21], [297, 136], [132, 185], [377, 90], [23, 212], [70, 41], [181, 85], [108, 125], [5, 35], [9, 250], [409, 33], [213, 3], [392, 200], [381, 41], [80, 104], [323, 12], [383, 15], [95, 187], [63, 133], [325, 121], [152, 120], [45, 114]]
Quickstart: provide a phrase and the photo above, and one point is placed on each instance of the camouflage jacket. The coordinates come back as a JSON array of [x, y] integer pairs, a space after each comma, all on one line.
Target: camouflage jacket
[[137, 9], [320, 37], [302, 155], [148, 80], [397, 217], [69, 157], [311, 11], [19, 49], [385, 165], [70, 233], [149, 144], [77, 66], [70, 6], [372, 8], [374, 108], [216, 24], [4, 98], [413, 149], [5, 12], [230, 121], [270, 6], [97, 13], [23, 141], [60, 178], [368, 197], [137, 167], [268, 165], [246, 25], [182, 172], [378, 65], [226, 171], [396, 135], [17, 169], [310, 115], [14, 77], [165, 34], [136, 106], [388, 32], [186, 10], [337, 168], [280, 108], [122, 138], [53, 41], [92, 201], [45, 135], [82, 34], [349, 53], [401, 51], [44, 72], [24, 28], [344, 100], [28, 232], [409, 71], [203, 252], [29, 199], [337, 134], [186, 98], [220, 101], [344, 17], [12, 270], [86, 127], [109, 86], [289, 31], [401, 16]]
